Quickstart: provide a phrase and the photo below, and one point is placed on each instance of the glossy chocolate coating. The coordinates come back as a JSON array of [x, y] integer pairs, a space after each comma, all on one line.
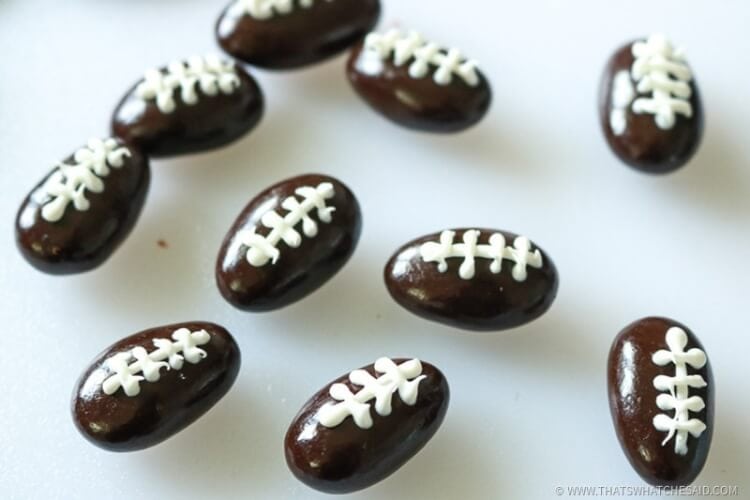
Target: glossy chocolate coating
[[643, 145], [119, 422], [347, 458], [83, 240], [632, 401], [301, 37], [298, 271], [487, 302], [213, 122], [419, 104]]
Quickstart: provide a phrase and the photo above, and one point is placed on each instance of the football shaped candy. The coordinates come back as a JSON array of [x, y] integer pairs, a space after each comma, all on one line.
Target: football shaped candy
[[661, 395], [418, 84], [363, 426], [188, 107], [147, 387], [475, 279], [283, 34], [289, 240], [650, 109], [78, 215]]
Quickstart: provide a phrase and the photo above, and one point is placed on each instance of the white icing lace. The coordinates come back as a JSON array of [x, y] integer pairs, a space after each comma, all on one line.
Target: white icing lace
[[210, 74], [423, 54], [662, 83], [679, 386], [266, 9], [403, 379], [520, 253], [263, 249], [69, 183], [168, 355]]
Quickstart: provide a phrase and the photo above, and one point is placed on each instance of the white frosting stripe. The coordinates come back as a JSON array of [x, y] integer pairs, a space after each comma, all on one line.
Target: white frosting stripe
[[263, 249], [678, 399], [662, 85], [69, 183], [210, 74], [424, 55], [168, 355], [267, 9], [520, 253], [623, 93], [403, 379]]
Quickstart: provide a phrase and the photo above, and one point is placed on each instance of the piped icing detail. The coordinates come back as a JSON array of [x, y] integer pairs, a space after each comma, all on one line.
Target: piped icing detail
[[422, 56], [267, 9], [623, 93], [403, 379], [659, 84], [264, 249], [678, 386], [69, 182], [169, 354], [497, 250], [210, 74]]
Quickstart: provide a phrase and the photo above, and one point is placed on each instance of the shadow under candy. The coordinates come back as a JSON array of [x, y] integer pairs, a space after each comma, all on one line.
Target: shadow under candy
[[451, 465], [729, 455], [224, 452], [713, 181]]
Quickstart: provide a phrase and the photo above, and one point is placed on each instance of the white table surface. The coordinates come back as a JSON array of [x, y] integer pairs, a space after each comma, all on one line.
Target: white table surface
[[528, 408]]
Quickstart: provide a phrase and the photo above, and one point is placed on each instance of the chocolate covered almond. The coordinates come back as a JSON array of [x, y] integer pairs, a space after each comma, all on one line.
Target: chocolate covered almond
[[189, 107], [661, 395], [474, 279], [289, 240], [78, 215], [418, 84], [650, 108], [151, 385], [365, 425], [283, 34]]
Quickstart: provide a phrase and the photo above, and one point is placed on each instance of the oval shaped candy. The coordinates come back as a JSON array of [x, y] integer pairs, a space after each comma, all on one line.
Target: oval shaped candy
[[283, 34], [649, 106], [151, 385], [289, 240], [78, 215], [475, 279], [417, 84], [188, 107], [363, 426], [661, 395]]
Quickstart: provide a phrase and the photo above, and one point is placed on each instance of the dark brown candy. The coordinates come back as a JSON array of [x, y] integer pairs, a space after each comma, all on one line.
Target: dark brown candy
[[149, 386], [362, 427], [418, 85], [78, 215], [661, 395], [188, 107], [475, 279], [649, 106], [283, 35], [289, 240]]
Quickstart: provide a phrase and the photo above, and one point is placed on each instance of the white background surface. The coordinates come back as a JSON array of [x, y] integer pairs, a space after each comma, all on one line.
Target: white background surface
[[528, 408]]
